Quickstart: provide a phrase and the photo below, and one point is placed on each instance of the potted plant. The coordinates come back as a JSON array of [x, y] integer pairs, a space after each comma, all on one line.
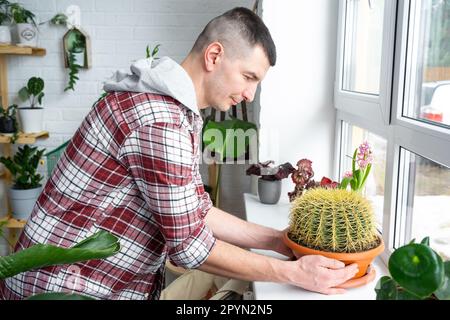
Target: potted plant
[[417, 272], [100, 245], [222, 141], [26, 181], [269, 182], [329, 220], [302, 178], [8, 121], [26, 25], [76, 52], [5, 20], [31, 117]]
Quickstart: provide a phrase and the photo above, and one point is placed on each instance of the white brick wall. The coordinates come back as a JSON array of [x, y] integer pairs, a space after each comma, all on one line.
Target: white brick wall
[[119, 31]]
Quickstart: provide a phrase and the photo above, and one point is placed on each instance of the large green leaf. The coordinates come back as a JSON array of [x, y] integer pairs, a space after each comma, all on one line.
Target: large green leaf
[[222, 137], [443, 293], [386, 289], [59, 296], [98, 246], [35, 85], [417, 268]]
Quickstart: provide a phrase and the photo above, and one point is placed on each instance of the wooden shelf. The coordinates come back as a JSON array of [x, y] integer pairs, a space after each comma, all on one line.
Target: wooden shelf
[[31, 51], [24, 138], [13, 223]]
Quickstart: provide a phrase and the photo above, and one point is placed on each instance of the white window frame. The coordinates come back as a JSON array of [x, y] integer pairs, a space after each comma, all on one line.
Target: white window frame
[[382, 115]]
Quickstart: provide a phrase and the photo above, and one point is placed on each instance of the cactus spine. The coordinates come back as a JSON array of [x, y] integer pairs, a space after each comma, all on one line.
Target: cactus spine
[[333, 220]]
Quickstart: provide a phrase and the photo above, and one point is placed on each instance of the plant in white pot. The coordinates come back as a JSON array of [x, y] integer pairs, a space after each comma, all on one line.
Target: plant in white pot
[[31, 117], [27, 30], [26, 180], [5, 21], [76, 52]]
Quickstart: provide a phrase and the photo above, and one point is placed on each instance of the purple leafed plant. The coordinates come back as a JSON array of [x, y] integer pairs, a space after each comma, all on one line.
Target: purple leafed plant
[[269, 173]]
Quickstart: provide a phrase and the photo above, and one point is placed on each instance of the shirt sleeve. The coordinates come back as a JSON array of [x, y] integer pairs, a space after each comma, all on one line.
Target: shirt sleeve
[[160, 157], [205, 200]]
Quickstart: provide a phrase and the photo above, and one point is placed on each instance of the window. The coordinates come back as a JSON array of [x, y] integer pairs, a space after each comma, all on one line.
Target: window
[[428, 52], [362, 55], [424, 190], [374, 190], [401, 106]]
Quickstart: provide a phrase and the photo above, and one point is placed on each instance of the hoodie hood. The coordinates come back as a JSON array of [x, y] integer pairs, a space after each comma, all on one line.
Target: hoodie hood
[[163, 76]]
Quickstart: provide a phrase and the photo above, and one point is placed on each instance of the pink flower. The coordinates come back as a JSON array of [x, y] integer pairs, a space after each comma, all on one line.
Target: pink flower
[[348, 174], [364, 155]]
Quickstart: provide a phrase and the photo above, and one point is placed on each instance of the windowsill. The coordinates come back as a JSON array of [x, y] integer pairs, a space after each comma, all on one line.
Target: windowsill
[[276, 216]]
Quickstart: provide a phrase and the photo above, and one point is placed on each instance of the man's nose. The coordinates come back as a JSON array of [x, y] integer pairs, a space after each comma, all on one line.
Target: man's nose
[[249, 93]]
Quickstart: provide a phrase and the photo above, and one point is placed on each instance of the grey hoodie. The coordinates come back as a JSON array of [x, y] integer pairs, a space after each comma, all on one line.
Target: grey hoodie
[[163, 76]]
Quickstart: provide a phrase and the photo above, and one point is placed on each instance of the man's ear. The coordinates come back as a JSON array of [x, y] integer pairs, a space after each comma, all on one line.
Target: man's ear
[[213, 55]]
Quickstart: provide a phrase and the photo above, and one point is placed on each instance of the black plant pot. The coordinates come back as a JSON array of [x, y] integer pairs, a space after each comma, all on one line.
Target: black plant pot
[[7, 125]]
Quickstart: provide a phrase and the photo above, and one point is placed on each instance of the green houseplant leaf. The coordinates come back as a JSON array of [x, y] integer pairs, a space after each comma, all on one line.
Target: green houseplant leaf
[[228, 146], [35, 85], [443, 293], [59, 296], [386, 289], [98, 246], [23, 166], [417, 268]]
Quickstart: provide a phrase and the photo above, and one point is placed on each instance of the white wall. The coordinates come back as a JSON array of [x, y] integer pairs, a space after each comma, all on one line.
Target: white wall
[[296, 116], [119, 31]]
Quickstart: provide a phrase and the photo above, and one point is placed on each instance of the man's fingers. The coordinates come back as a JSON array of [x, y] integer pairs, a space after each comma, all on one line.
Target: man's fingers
[[342, 275], [333, 291], [330, 263]]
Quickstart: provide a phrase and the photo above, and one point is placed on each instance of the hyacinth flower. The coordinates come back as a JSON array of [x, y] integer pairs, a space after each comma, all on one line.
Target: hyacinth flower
[[362, 158]]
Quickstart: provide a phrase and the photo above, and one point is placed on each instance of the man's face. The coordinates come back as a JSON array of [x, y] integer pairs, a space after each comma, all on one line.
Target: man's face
[[234, 80]]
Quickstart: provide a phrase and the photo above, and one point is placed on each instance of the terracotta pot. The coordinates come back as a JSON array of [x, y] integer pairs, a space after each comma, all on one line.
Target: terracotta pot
[[363, 259]]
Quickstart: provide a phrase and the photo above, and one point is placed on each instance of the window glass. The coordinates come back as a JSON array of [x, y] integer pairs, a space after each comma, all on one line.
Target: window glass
[[363, 44], [427, 91], [425, 201]]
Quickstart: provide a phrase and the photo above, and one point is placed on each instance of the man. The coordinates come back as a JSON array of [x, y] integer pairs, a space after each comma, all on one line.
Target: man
[[132, 168]]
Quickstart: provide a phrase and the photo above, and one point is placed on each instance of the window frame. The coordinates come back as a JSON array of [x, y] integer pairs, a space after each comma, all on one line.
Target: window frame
[[382, 115]]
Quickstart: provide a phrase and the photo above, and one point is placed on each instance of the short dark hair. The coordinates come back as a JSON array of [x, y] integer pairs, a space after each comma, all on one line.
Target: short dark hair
[[234, 25]]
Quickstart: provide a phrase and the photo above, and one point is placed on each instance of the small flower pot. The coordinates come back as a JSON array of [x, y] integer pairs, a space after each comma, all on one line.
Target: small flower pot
[[5, 35], [269, 191], [27, 34], [31, 119], [7, 125], [363, 258], [22, 201]]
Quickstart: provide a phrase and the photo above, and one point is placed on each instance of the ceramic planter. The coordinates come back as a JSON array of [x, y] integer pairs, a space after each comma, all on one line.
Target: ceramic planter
[[7, 125], [269, 191], [27, 35], [22, 201], [79, 58], [5, 35], [363, 259], [31, 119]]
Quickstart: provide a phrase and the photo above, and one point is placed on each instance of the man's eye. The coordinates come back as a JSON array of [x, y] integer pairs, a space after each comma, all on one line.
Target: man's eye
[[246, 77]]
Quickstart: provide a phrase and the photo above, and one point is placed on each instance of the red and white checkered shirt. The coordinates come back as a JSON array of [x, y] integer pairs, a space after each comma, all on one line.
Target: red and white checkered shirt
[[132, 168]]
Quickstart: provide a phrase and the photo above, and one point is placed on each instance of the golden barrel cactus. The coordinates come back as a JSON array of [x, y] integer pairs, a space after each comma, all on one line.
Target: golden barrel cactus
[[333, 220]]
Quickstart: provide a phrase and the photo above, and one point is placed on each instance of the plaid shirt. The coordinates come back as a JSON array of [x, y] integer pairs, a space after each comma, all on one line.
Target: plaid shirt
[[132, 168]]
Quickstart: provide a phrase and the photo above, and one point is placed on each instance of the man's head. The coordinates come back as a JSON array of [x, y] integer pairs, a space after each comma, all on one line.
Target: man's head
[[235, 50]]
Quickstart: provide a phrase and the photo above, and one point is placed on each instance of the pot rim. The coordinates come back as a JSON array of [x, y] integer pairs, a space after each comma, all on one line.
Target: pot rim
[[343, 256]]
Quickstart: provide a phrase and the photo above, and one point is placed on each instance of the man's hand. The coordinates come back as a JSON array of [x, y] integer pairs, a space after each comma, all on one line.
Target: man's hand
[[279, 246], [318, 273]]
